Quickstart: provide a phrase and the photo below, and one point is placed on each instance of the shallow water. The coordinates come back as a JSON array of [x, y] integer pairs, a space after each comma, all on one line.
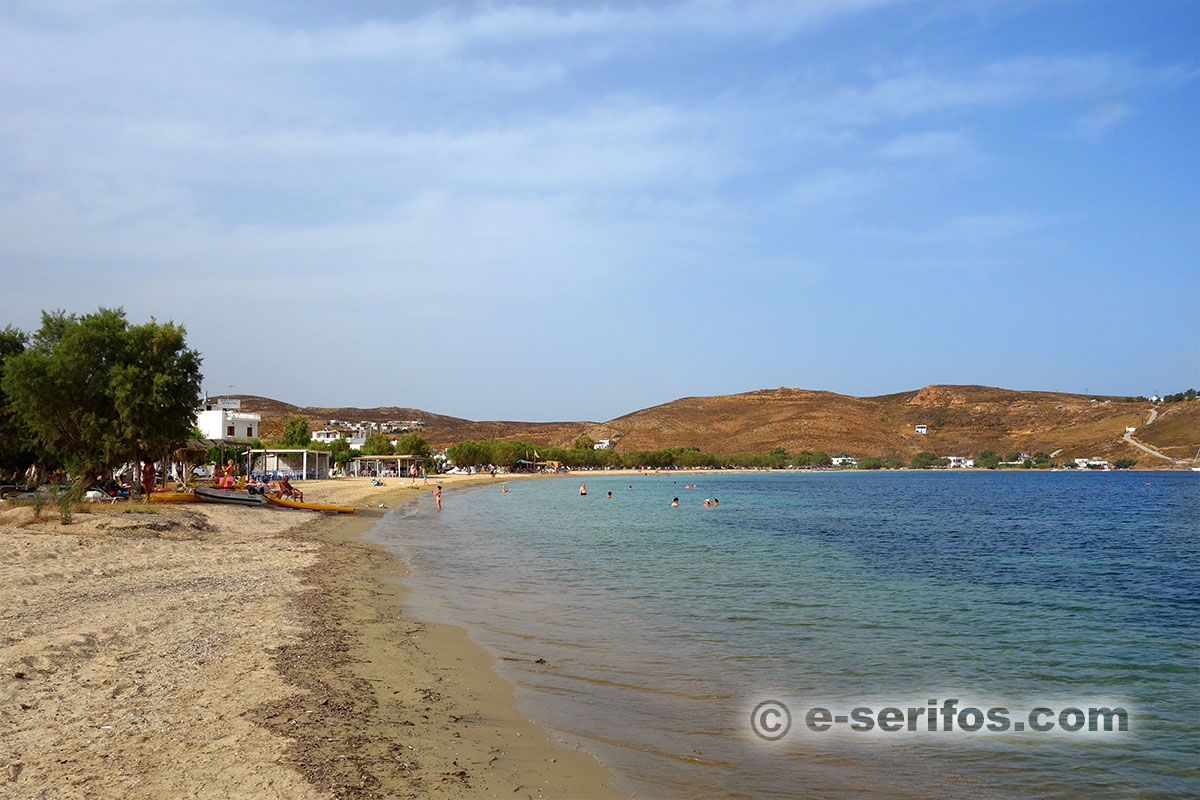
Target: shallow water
[[662, 627]]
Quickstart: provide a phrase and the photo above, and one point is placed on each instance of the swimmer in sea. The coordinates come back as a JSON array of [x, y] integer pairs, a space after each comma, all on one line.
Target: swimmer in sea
[[675, 503], [583, 490], [610, 495], [504, 489], [631, 487], [715, 502], [707, 502]]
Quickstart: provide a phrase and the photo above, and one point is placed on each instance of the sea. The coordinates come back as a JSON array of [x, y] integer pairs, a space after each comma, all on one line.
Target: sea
[[709, 651]]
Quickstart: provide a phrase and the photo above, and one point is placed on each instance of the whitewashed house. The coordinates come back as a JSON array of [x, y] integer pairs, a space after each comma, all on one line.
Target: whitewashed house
[[356, 439], [922, 429], [844, 461], [959, 462], [224, 419], [604, 444]]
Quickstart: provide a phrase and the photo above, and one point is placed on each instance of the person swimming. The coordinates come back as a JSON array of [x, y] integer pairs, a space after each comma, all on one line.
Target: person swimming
[[583, 490], [504, 489], [610, 495], [707, 502], [675, 503], [715, 502]]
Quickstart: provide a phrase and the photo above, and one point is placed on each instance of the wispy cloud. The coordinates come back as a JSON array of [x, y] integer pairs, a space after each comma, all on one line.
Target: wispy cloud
[[1099, 119]]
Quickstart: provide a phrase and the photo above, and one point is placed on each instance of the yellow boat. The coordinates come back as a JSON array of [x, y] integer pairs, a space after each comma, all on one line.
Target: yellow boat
[[173, 497], [278, 501]]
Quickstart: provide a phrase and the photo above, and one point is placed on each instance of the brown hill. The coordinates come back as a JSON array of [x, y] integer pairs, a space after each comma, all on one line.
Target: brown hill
[[439, 430], [961, 420]]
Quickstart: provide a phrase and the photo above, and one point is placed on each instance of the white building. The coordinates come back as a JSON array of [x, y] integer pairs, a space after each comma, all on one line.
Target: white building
[[923, 429], [604, 444], [959, 462], [1091, 463], [223, 419], [356, 439], [844, 461]]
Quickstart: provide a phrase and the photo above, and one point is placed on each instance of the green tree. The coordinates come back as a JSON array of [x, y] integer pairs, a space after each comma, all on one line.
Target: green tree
[[16, 447], [925, 460], [295, 433], [1124, 463], [988, 460], [377, 444], [412, 444], [95, 391], [895, 462], [870, 462], [583, 442]]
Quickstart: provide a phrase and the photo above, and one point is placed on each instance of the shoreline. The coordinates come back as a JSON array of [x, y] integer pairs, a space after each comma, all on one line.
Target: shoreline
[[210, 651]]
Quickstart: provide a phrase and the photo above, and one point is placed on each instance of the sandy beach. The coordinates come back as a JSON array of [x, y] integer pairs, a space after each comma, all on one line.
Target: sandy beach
[[200, 650]]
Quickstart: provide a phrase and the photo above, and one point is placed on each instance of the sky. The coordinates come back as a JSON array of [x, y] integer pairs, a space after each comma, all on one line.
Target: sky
[[552, 211]]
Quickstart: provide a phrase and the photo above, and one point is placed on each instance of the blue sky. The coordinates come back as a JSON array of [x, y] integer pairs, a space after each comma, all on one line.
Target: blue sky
[[553, 211]]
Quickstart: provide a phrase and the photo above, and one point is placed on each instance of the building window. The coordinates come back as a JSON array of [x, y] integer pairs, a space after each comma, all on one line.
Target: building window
[[249, 432], [229, 431]]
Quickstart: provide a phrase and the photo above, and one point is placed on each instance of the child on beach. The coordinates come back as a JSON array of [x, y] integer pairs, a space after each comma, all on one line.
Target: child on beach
[[437, 495]]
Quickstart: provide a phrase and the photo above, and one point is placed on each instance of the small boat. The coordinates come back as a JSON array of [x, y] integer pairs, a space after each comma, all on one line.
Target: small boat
[[173, 497], [282, 503], [211, 494]]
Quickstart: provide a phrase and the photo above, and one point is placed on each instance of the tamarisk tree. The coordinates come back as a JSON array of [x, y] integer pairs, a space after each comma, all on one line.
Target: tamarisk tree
[[94, 391]]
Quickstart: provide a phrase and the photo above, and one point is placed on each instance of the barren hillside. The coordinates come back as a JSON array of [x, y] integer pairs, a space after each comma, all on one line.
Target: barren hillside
[[961, 420]]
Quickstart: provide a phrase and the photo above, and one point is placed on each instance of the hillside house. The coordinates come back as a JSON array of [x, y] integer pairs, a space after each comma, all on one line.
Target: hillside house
[[224, 419], [604, 444], [922, 429], [355, 439]]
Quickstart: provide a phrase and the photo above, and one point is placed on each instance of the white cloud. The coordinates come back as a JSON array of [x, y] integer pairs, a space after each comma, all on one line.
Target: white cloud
[[1099, 119]]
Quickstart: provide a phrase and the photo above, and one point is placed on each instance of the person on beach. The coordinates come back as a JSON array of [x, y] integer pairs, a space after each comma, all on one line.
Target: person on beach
[[287, 490], [148, 478], [675, 503], [583, 490], [437, 495]]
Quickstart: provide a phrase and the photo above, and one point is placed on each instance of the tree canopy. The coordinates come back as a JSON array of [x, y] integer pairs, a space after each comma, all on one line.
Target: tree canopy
[[295, 433], [93, 391]]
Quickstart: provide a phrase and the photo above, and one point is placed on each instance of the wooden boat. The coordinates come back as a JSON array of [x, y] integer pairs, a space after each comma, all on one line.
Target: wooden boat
[[212, 495], [282, 503], [173, 497]]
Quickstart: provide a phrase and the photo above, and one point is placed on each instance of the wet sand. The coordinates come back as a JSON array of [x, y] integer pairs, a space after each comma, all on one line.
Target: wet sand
[[215, 651]]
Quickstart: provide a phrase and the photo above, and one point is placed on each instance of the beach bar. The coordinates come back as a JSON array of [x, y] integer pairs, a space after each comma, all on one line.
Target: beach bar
[[382, 466], [271, 464]]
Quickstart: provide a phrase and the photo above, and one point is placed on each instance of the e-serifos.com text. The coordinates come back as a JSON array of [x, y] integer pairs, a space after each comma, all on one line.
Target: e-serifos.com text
[[772, 719]]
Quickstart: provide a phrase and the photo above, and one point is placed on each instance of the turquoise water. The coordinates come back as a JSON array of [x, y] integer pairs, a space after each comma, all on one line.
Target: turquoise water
[[662, 627]]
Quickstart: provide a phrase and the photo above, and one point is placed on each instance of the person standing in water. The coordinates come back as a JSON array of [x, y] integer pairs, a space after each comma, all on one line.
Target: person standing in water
[[583, 490], [437, 495], [675, 503]]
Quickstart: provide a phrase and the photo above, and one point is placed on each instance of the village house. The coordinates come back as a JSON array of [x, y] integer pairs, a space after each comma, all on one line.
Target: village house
[[959, 462], [922, 429], [224, 419]]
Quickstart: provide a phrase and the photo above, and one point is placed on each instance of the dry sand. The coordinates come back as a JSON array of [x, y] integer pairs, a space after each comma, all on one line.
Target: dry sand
[[215, 651]]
